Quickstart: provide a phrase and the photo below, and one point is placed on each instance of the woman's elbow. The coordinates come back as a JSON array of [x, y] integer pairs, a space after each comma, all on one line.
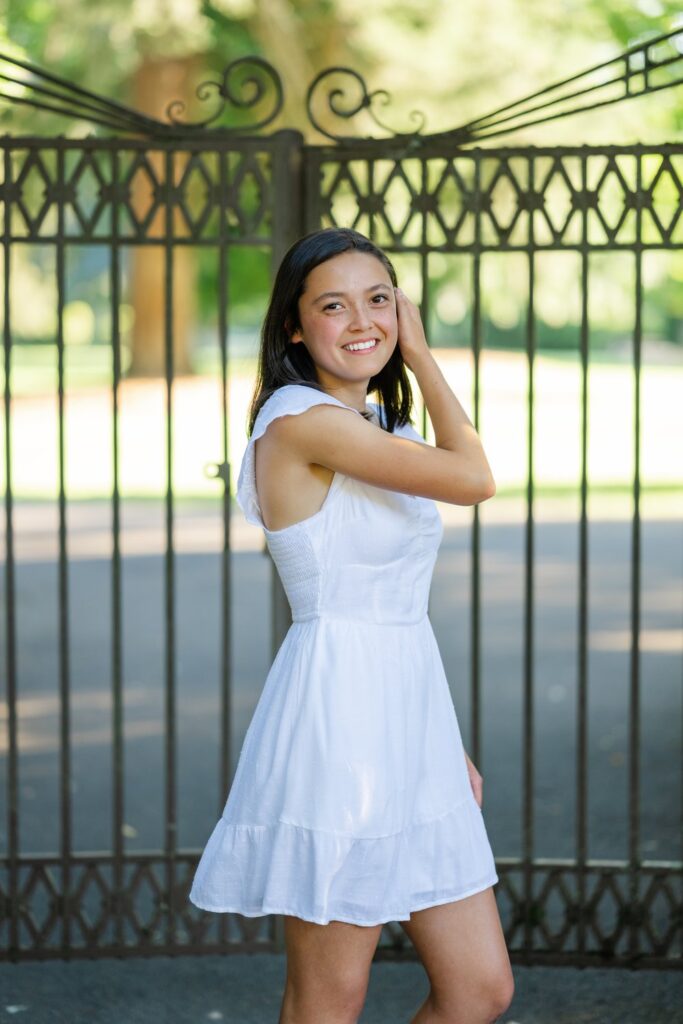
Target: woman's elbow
[[490, 486], [471, 491], [486, 488]]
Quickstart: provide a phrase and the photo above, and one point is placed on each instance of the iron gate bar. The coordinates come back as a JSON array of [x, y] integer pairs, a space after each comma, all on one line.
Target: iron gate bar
[[79, 102], [87, 110], [10, 600], [224, 765], [582, 624], [66, 838], [170, 809], [82, 103], [634, 697], [475, 542], [117, 594], [529, 563], [475, 129]]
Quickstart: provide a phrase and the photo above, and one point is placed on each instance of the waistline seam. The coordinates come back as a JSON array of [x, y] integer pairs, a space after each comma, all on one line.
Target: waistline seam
[[361, 621]]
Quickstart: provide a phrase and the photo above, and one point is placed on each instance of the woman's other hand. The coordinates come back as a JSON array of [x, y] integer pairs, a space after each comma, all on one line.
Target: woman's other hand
[[411, 335], [476, 780]]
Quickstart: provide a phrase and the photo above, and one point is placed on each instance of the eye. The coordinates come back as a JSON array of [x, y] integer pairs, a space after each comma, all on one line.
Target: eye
[[330, 305], [379, 295]]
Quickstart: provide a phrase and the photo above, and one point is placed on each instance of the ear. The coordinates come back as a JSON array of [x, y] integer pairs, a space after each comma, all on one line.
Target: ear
[[295, 334]]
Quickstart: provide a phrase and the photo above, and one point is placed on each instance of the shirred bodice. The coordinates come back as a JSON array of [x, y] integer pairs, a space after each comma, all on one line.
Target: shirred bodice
[[367, 554]]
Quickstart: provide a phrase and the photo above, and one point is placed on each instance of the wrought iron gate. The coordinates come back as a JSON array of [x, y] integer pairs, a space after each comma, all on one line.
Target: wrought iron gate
[[419, 196]]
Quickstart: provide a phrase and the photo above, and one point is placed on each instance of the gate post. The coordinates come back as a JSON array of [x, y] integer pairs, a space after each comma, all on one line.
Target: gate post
[[287, 205]]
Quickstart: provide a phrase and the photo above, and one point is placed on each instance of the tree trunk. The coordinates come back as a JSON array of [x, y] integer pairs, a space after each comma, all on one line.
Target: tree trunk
[[156, 83]]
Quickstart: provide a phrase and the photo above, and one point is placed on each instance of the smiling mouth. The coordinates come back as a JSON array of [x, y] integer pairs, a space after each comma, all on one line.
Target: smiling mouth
[[358, 347]]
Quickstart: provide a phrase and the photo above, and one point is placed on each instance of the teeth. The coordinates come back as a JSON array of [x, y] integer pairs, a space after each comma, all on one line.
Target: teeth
[[359, 345]]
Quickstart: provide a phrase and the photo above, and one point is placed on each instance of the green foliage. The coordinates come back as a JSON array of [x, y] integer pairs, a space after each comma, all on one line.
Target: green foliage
[[248, 281]]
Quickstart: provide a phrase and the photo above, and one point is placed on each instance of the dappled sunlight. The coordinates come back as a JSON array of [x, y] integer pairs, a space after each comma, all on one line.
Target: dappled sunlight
[[143, 533], [650, 641], [42, 705], [38, 717], [34, 741]]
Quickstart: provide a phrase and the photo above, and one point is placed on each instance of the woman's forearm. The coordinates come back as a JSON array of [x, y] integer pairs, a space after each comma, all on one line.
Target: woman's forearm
[[453, 429]]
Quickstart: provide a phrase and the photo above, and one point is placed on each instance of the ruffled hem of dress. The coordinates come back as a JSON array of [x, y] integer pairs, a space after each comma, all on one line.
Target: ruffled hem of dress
[[323, 876], [263, 910]]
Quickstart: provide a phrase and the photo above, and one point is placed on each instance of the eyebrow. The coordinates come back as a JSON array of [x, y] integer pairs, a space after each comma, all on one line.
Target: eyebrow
[[334, 295]]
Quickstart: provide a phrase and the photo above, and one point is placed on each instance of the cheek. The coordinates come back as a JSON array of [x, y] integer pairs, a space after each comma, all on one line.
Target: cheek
[[323, 332], [389, 323]]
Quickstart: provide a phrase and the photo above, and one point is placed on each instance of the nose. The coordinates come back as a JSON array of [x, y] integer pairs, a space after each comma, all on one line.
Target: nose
[[360, 318]]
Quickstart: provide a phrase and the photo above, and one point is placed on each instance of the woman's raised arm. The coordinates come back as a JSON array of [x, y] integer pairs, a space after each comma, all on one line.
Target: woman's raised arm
[[454, 470]]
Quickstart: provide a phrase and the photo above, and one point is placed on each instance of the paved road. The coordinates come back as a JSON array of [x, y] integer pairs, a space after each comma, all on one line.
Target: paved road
[[244, 989]]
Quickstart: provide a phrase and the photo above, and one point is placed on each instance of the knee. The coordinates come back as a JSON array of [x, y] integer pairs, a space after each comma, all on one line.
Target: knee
[[339, 999], [498, 994], [348, 992], [484, 999]]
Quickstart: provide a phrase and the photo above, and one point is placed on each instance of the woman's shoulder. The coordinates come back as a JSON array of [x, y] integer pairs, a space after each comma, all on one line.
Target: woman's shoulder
[[291, 399], [287, 400]]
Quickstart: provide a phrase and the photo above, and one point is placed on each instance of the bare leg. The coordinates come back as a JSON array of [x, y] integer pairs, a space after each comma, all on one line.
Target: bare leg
[[462, 948], [328, 969]]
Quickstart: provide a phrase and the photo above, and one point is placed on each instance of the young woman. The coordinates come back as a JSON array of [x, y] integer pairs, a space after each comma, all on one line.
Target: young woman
[[354, 802]]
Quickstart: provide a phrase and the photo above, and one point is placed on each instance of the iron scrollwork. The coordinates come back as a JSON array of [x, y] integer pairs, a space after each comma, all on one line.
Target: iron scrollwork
[[243, 85], [250, 84], [347, 100]]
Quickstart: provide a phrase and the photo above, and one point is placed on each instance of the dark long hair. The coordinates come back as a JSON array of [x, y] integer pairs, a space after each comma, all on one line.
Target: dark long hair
[[282, 362]]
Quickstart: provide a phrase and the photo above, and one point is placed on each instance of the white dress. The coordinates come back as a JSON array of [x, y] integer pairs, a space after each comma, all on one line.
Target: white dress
[[351, 799]]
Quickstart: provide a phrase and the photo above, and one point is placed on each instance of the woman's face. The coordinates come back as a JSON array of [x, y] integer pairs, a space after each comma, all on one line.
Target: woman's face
[[348, 300]]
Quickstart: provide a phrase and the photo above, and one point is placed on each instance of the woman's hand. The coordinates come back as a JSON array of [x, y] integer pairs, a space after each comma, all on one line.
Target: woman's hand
[[475, 779], [411, 335]]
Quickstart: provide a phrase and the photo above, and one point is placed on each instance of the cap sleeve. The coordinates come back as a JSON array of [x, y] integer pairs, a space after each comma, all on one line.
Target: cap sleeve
[[408, 430], [286, 401]]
